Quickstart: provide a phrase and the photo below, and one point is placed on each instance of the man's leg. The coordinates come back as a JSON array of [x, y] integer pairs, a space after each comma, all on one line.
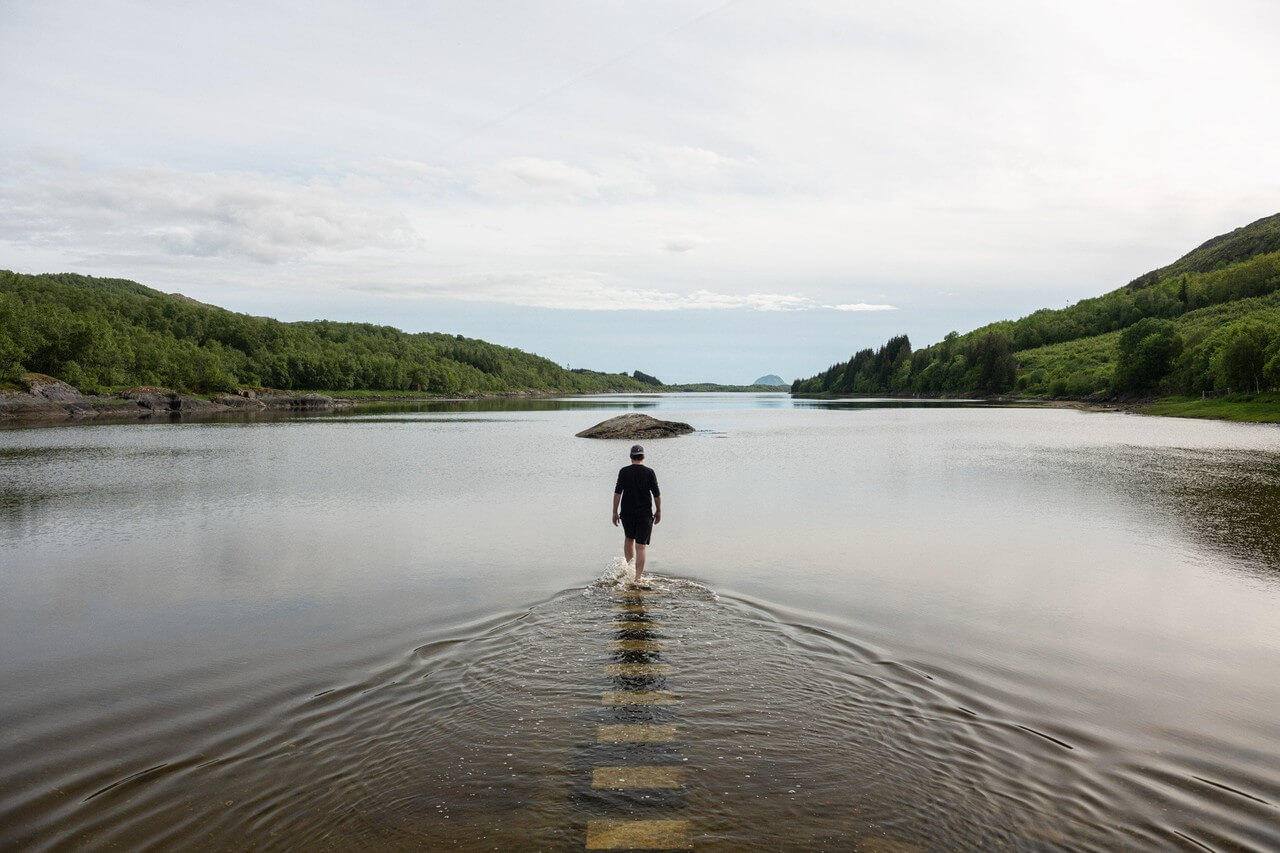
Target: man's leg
[[640, 549], [629, 550]]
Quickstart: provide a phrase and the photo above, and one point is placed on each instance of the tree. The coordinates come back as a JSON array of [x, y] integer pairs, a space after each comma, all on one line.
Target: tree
[[991, 368], [1241, 360], [1146, 351]]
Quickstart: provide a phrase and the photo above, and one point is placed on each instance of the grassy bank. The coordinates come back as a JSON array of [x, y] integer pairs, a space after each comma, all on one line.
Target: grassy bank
[[1247, 408]]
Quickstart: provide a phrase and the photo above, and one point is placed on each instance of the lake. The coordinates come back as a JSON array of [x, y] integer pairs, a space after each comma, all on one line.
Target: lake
[[872, 626]]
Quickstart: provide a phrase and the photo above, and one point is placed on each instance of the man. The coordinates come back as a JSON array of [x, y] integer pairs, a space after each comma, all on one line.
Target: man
[[631, 506]]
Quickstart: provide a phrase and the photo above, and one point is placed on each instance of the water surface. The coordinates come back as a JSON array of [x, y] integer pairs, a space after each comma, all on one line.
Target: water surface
[[886, 628]]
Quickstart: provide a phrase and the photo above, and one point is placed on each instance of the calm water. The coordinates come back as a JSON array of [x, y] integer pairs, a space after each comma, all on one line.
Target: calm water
[[877, 628]]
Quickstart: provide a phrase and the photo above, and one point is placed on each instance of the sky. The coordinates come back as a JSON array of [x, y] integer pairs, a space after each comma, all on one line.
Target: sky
[[704, 191]]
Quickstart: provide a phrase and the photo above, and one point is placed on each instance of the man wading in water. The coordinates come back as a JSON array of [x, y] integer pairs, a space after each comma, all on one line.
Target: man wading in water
[[635, 482]]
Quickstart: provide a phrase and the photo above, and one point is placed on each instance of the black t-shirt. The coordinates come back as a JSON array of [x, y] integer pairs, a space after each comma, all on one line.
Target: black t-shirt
[[635, 482]]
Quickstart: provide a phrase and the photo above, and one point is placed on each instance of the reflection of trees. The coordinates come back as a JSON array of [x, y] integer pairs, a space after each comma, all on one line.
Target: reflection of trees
[[500, 404], [1230, 500], [891, 403]]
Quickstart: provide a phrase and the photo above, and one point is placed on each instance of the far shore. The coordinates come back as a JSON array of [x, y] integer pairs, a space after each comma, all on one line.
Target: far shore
[[1240, 408], [52, 402]]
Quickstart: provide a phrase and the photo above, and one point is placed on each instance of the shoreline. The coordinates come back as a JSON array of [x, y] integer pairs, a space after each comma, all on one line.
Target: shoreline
[[1238, 408], [51, 402]]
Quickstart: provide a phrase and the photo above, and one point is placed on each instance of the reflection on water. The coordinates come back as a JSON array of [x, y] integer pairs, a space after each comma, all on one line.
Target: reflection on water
[[507, 404], [854, 403], [754, 733], [901, 629], [1228, 501]]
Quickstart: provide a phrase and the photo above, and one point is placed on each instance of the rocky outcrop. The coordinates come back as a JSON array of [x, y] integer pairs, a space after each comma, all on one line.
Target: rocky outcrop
[[161, 400], [635, 426], [246, 401], [46, 398], [16, 404], [50, 399], [311, 401], [53, 390]]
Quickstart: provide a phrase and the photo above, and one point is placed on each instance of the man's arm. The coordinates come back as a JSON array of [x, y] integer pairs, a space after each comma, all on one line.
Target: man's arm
[[657, 513], [617, 496]]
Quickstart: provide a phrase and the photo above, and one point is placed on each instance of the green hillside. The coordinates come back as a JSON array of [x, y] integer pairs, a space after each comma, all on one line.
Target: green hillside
[[1208, 322], [99, 334]]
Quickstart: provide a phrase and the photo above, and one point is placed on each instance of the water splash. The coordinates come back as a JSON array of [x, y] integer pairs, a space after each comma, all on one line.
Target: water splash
[[618, 575]]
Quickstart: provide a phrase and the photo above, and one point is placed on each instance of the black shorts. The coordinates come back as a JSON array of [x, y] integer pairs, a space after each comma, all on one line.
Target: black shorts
[[638, 526]]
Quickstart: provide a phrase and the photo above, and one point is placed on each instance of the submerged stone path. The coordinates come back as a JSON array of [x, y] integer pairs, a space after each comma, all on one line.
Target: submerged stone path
[[637, 775]]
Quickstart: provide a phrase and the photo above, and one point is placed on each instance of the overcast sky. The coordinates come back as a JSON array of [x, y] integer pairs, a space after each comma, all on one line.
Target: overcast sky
[[706, 191]]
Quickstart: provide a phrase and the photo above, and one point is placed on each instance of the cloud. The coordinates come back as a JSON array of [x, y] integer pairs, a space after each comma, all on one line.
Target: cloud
[[860, 306], [533, 178], [691, 157], [231, 215], [582, 291], [684, 243]]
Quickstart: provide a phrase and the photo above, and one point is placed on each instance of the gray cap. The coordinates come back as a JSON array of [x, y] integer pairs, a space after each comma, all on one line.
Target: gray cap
[[637, 450]]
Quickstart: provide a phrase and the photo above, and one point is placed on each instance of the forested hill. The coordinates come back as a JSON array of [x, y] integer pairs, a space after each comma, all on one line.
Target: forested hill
[[1210, 321], [100, 334]]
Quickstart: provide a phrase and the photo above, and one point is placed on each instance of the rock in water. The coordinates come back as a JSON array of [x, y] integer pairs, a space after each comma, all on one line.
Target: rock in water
[[635, 426]]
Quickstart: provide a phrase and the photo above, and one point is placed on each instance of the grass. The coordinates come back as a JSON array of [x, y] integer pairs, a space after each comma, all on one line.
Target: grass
[[1245, 408]]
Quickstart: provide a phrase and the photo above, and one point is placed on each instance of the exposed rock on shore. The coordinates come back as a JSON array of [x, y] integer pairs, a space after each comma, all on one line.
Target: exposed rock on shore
[[46, 398], [49, 399], [635, 426], [164, 400]]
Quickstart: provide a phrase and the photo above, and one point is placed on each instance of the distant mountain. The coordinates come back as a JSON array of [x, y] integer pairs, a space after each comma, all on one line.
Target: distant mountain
[[1207, 323], [772, 379]]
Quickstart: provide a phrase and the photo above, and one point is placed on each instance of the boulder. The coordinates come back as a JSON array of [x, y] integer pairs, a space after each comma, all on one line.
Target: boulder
[[164, 400], [635, 426], [47, 398], [16, 404], [239, 401], [54, 390]]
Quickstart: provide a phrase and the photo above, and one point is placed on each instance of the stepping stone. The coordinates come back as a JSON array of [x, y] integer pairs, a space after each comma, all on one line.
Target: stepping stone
[[638, 835], [646, 625], [638, 776], [635, 733], [638, 669], [638, 697], [636, 645]]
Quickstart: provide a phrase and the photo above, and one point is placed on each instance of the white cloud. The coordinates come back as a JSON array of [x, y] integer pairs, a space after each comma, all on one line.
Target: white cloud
[[683, 243], [536, 179], [230, 216], [582, 291], [860, 306]]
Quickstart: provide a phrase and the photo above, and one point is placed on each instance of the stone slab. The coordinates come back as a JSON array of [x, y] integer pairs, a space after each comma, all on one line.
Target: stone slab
[[635, 733], [636, 670], [638, 776], [638, 697], [638, 835], [636, 645]]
